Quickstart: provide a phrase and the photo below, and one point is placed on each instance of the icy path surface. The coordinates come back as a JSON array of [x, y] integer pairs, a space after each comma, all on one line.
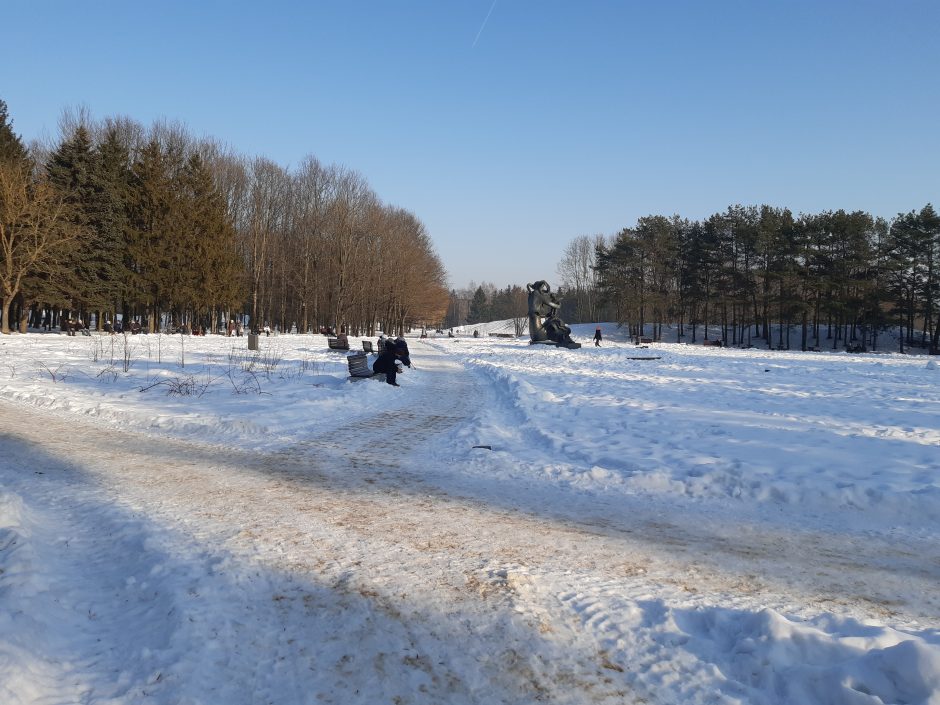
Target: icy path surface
[[354, 567]]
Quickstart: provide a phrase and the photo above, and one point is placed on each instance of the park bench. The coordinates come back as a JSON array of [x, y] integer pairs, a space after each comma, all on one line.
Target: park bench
[[642, 341], [367, 346], [359, 367], [502, 335], [338, 343], [712, 343]]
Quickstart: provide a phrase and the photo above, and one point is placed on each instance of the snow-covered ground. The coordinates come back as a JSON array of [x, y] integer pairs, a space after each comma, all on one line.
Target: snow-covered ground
[[183, 521]]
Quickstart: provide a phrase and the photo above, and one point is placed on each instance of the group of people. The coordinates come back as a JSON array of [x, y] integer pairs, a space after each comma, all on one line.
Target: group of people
[[71, 325], [392, 360], [118, 327], [238, 330]]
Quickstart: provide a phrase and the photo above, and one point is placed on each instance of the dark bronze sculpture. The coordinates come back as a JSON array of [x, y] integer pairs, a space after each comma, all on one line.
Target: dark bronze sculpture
[[544, 325]]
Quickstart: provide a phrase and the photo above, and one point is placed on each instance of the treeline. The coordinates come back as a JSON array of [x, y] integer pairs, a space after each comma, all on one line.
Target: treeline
[[172, 231], [832, 279], [486, 302]]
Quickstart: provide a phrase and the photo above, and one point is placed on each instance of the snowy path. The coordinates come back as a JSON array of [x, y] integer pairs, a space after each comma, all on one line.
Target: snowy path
[[352, 568]]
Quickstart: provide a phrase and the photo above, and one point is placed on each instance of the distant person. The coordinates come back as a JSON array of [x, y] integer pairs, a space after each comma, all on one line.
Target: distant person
[[267, 331], [388, 362], [597, 337]]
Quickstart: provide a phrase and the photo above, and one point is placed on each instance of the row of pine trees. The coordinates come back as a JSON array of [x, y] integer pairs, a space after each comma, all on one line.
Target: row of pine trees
[[755, 275], [833, 279], [170, 231]]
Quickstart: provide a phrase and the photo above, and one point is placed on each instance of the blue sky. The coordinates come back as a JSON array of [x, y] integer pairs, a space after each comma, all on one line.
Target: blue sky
[[551, 120]]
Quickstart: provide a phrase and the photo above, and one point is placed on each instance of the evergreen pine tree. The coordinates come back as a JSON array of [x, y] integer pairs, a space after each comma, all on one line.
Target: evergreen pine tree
[[11, 146], [69, 170], [110, 219], [479, 309], [150, 244], [215, 273]]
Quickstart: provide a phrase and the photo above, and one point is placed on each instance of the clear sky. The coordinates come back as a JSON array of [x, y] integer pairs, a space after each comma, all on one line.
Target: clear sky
[[510, 128]]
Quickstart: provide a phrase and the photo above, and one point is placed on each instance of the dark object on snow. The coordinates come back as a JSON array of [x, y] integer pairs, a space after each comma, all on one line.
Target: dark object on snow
[[340, 342], [359, 365], [545, 326], [402, 347], [387, 363], [484, 447]]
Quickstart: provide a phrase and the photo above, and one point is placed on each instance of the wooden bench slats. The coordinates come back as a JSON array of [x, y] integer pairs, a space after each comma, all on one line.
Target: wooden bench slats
[[359, 365]]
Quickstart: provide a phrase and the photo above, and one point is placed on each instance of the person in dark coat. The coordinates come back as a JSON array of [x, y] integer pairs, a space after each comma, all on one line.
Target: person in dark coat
[[597, 337], [387, 362], [402, 347]]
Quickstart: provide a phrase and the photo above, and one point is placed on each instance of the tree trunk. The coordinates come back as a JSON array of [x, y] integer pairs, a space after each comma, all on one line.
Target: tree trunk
[[24, 317], [5, 313], [935, 341]]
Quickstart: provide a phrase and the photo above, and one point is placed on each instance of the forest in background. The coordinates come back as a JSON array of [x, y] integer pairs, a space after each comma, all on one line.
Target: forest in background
[[157, 227], [833, 280], [170, 231]]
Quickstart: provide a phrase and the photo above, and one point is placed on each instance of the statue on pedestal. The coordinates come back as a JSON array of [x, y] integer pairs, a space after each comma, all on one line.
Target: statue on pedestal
[[545, 327]]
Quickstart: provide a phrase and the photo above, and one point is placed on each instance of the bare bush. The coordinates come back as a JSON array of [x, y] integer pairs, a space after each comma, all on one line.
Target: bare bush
[[128, 352], [270, 359], [57, 374], [187, 386], [97, 348], [108, 372], [247, 384]]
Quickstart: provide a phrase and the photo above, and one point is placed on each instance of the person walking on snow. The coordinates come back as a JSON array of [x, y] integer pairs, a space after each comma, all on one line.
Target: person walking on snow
[[597, 337]]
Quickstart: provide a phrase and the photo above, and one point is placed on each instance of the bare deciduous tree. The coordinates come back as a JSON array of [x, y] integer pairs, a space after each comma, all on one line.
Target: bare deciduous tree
[[34, 229]]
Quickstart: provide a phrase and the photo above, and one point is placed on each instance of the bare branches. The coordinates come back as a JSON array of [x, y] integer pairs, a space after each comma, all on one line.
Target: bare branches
[[34, 230]]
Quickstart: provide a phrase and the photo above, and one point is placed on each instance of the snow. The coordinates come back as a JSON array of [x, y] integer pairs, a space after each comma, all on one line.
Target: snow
[[215, 525]]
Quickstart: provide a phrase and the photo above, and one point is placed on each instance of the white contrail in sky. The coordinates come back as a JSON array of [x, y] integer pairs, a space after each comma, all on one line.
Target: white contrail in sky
[[484, 24]]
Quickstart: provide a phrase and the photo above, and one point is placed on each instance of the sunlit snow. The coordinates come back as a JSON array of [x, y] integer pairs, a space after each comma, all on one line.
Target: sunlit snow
[[183, 521]]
